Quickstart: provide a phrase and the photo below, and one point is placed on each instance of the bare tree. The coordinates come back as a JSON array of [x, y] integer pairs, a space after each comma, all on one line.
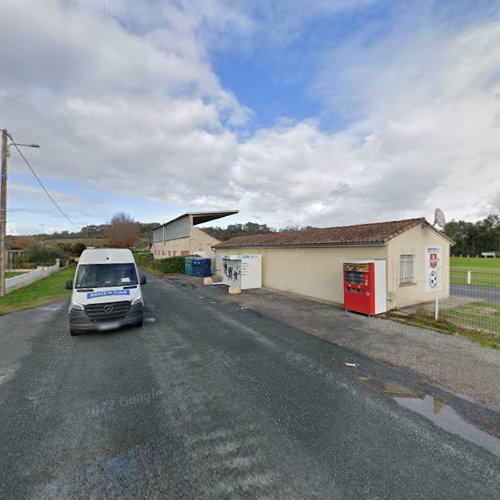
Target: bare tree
[[123, 231]]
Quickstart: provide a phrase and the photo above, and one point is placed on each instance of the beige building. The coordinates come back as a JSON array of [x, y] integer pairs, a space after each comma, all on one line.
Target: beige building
[[310, 262], [180, 236]]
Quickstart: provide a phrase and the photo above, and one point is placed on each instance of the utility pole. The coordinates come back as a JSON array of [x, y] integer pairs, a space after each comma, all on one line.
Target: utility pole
[[3, 204], [3, 211]]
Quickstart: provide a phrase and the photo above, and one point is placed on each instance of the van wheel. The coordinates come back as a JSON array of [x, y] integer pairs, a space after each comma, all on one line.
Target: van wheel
[[74, 333]]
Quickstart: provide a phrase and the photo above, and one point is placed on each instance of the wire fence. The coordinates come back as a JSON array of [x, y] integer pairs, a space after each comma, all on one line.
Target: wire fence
[[474, 300]]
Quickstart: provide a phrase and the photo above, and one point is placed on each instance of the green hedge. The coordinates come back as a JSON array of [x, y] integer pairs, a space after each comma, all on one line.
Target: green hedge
[[168, 265], [144, 259]]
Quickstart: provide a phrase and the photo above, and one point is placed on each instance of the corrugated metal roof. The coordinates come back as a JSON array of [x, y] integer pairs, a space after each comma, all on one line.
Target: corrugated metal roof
[[201, 217]]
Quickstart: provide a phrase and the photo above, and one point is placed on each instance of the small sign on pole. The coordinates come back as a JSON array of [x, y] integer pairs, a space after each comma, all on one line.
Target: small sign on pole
[[433, 274]]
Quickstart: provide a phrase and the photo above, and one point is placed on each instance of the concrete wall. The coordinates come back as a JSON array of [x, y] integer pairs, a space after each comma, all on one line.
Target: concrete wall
[[413, 242], [198, 242], [315, 272], [171, 248], [202, 243], [26, 279]]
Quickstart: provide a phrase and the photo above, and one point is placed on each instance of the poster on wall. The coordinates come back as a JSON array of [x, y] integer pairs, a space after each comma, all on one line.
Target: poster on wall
[[432, 269]]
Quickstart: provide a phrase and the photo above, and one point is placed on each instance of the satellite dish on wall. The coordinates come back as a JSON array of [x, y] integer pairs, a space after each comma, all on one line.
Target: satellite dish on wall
[[439, 218]]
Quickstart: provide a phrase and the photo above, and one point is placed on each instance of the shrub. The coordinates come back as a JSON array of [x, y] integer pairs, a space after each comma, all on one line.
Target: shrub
[[78, 248], [144, 259], [39, 254], [170, 264]]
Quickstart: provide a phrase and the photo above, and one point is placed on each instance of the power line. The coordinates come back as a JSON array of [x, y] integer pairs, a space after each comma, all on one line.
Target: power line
[[40, 182]]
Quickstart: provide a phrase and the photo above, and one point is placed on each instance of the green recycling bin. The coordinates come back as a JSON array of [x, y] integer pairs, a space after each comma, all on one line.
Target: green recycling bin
[[188, 266]]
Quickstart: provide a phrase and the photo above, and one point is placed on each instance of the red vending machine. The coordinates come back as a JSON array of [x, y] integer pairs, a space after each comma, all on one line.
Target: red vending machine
[[365, 288]]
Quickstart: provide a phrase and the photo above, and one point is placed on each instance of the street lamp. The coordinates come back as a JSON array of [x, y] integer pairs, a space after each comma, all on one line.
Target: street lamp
[[3, 202]]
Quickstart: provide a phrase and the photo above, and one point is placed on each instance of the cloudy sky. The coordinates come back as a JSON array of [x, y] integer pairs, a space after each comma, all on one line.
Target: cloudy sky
[[322, 112]]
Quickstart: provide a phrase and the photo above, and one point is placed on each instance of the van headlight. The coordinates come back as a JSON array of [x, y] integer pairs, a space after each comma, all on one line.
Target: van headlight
[[137, 300], [78, 307]]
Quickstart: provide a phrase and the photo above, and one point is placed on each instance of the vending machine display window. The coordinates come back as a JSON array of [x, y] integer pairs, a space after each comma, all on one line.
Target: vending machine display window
[[365, 286]]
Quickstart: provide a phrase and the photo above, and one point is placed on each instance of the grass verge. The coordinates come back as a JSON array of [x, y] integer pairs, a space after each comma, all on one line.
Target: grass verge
[[41, 292], [491, 340], [484, 316]]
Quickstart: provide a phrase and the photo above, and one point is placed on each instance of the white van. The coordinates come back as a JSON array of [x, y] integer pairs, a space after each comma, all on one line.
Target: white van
[[106, 292]]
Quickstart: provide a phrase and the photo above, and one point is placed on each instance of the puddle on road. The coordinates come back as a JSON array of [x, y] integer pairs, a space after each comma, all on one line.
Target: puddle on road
[[440, 414], [448, 419]]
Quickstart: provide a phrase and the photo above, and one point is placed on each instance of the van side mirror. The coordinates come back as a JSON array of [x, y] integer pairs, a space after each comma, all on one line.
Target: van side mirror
[[69, 285], [143, 280]]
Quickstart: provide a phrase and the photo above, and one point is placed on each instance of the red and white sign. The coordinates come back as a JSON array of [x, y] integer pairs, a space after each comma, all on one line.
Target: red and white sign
[[432, 269]]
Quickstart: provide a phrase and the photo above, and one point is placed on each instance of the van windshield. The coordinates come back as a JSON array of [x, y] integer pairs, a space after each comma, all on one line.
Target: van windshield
[[103, 275]]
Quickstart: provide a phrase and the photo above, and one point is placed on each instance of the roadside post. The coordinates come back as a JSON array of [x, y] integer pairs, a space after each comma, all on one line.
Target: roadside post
[[433, 274], [3, 211], [3, 202], [436, 307]]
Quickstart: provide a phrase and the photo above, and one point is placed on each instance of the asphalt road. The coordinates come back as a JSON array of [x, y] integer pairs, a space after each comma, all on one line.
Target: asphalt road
[[488, 293], [209, 400]]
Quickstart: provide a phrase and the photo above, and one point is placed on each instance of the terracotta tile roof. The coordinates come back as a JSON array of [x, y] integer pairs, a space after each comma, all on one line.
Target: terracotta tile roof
[[360, 234]]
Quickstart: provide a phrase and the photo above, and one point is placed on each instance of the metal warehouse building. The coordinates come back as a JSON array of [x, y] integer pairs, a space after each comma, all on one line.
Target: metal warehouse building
[[310, 262], [180, 236]]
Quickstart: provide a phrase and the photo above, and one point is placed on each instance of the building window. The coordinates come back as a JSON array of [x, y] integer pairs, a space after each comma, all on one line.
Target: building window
[[185, 252], [407, 270]]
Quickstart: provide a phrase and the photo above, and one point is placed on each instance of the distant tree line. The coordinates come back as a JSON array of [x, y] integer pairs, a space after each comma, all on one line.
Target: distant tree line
[[248, 229], [39, 250], [472, 238], [91, 231]]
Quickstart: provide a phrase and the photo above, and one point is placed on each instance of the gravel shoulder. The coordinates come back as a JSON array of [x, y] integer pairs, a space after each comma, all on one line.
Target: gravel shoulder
[[212, 398], [451, 361]]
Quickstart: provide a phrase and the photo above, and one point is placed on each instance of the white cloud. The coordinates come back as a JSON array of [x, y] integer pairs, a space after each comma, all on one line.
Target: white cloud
[[124, 100], [429, 102]]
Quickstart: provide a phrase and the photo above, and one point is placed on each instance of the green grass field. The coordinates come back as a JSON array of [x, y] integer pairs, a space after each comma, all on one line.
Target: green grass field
[[475, 263], [41, 292], [484, 272]]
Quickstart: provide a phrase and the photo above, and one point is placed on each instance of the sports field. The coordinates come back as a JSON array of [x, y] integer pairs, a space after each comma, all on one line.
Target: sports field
[[476, 263], [475, 271]]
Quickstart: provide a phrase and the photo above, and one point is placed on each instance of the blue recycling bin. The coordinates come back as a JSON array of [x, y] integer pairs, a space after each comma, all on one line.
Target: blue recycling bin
[[202, 267]]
